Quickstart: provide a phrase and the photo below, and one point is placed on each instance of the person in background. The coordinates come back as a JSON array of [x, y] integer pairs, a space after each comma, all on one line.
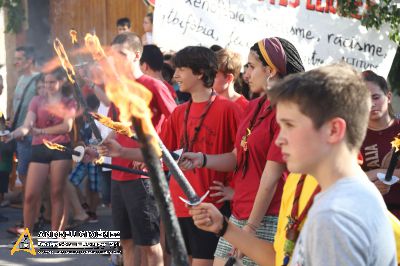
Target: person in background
[[147, 37], [6, 157], [123, 25], [376, 148], [229, 64], [50, 118], [25, 90], [151, 63]]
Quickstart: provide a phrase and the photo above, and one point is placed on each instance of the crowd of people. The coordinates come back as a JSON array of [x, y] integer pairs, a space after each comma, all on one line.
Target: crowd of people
[[290, 157]]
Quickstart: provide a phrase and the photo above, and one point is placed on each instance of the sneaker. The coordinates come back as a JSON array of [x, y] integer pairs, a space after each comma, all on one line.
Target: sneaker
[[4, 203], [92, 217]]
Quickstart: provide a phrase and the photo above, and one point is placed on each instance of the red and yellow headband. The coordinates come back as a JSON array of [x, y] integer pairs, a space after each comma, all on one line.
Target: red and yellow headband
[[273, 54]]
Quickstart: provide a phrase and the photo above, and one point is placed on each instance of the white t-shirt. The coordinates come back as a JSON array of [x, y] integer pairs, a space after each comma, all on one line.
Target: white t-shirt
[[104, 131], [347, 225]]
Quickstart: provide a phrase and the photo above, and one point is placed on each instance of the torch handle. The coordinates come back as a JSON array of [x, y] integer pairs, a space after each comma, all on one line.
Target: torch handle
[[178, 174], [89, 118], [392, 165], [123, 169]]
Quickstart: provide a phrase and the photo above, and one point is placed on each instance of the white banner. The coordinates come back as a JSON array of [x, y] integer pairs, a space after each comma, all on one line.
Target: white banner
[[320, 35]]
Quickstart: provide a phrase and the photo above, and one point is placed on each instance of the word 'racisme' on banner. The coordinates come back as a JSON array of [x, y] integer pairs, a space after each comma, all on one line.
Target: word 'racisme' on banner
[[313, 26]]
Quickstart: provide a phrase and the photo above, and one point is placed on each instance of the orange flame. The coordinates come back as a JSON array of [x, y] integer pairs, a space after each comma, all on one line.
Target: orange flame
[[131, 97], [93, 45], [396, 144], [53, 146], [62, 55], [118, 127], [99, 161], [74, 36]]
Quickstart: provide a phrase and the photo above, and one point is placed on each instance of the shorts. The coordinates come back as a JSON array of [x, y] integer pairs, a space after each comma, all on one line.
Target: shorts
[[42, 154], [134, 211], [266, 232], [24, 150], [4, 178], [199, 244], [106, 187], [90, 170]]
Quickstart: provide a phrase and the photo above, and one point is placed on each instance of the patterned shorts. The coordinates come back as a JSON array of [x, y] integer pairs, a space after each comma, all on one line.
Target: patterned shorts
[[266, 231], [82, 170]]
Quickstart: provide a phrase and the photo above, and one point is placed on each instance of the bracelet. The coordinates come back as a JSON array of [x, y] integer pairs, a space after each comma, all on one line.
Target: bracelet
[[204, 160], [225, 223]]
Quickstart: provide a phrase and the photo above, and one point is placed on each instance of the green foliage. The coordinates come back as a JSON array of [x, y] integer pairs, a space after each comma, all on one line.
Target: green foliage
[[15, 15], [375, 15]]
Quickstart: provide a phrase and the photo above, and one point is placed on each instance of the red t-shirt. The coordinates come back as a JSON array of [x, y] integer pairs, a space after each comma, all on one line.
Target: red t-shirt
[[170, 88], [261, 147], [242, 103], [48, 115], [162, 104], [216, 136], [374, 148]]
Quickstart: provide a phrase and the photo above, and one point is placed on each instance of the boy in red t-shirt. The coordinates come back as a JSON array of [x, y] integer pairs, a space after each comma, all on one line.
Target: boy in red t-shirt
[[134, 209], [206, 124]]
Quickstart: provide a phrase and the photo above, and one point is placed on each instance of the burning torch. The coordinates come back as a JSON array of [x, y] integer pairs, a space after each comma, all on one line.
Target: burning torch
[[133, 100], [388, 178], [62, 55]]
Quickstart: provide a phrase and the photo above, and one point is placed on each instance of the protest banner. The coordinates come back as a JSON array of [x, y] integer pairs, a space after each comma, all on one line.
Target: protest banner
[[313, 26]]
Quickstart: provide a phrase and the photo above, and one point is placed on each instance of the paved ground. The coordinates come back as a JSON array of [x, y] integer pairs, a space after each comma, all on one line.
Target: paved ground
[[24, 258]]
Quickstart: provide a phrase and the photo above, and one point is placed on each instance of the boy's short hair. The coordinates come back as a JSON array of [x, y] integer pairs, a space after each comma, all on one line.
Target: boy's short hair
[[133, 40], [124, 22], [229, 62], [152, 56], [328, 92], [200, 60], [29, 52]]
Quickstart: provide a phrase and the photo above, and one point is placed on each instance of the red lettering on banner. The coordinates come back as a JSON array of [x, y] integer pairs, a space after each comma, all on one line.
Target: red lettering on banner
[[319, 7], [295, 3], [283, 2], [329, 7], [309, 5]]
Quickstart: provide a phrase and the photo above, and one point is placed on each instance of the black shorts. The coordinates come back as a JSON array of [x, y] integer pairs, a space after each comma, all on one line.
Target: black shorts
[[199, 244], [42, 154], [4, 178], [134, 211]]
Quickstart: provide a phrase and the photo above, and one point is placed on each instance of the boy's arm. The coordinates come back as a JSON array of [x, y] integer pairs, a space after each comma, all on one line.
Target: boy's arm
[[112, 148], [258, 250]]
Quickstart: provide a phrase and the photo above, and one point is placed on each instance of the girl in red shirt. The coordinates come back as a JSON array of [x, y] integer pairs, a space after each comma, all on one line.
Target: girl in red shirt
[[257, 162], [50, 117]]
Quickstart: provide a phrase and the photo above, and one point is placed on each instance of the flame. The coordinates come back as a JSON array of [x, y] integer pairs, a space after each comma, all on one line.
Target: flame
[[53, 146], [93, 45], [131, 97], [74, 36], [99, 161], [396, 144], [62, 55], [118, 127]]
